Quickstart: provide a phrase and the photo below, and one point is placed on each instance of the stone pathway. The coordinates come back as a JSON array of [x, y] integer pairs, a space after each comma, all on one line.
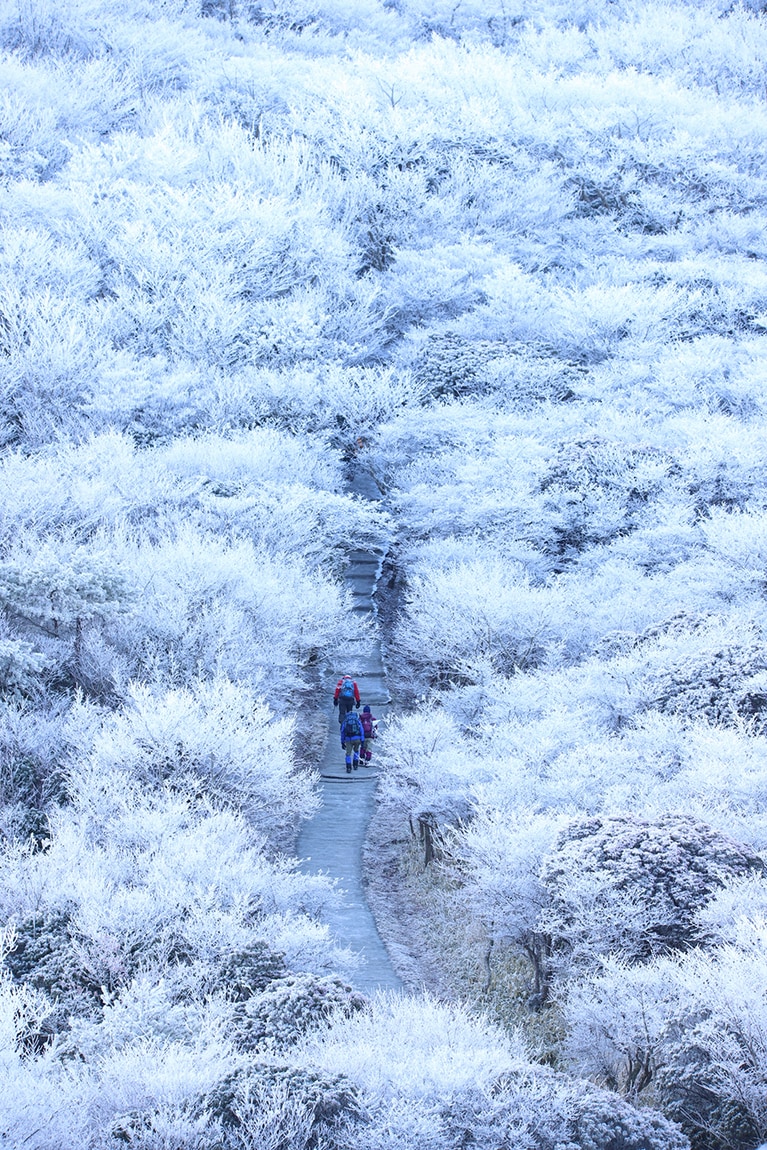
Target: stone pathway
[[332, 841]]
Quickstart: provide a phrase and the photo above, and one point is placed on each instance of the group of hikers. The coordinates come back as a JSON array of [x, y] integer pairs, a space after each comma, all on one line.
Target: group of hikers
[[358, 728]]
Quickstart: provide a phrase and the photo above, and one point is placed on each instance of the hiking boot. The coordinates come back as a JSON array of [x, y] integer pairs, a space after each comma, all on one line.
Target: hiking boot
[[348, 768], [355, 764]]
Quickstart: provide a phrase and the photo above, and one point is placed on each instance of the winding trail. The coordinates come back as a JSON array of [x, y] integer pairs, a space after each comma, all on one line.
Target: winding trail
[[332, 841]]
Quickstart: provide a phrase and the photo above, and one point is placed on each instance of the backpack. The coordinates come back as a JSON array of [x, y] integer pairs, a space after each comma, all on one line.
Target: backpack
[[347, 688], [367, 724], [352, 726]]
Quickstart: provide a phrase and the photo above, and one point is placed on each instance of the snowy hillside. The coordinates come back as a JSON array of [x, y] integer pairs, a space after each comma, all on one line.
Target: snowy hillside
[[509, 259]]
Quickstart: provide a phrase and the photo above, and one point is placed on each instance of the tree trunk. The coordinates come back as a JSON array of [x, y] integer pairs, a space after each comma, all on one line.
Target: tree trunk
[[427, 825], [486, 961], [78, 645], [538, 947]]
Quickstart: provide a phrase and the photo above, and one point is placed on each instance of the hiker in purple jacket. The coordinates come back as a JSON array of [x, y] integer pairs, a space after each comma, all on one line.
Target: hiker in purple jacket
[[369, 724]]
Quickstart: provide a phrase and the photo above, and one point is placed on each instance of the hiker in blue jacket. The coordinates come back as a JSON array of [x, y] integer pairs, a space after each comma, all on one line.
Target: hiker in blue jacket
[[352, 735]]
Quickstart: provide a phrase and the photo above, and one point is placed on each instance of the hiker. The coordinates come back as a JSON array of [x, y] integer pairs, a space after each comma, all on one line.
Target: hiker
[[352, 735], [347, 695], [369, 725]]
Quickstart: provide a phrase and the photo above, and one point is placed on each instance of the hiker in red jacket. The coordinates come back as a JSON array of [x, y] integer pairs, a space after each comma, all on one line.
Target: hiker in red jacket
[[347, 695]]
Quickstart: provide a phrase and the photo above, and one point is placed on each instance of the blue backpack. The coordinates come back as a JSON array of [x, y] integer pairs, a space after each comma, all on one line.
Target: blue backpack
[[347, 688], [352, 726]]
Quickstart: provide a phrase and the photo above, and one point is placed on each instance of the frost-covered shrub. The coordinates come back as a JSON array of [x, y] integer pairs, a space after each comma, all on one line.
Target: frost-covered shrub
[[688, 1031], [450, 366], [247, 971], [542, 1110], [50, 351], [286, 1009], [31, 29], [21, 667], [424, 286], [713, 1069], [214, 606], [216, 738], [340, 402], [428, 771], [738, 537], [632, 887], [405, 1046], [601, 1122], [59, 596], [497, 858], [33, 750], [31, 150], [699, 669], [282, 1106], [615, 1020], [469, 615], [43, 956], [149, 1086], [596, 490], [51, 585], [165, 1126]]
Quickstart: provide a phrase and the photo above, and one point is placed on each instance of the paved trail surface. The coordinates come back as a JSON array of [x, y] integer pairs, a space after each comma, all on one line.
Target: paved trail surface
[[332, 841]]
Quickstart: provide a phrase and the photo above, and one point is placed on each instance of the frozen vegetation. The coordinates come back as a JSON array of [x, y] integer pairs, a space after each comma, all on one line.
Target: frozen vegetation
[[509, 257]]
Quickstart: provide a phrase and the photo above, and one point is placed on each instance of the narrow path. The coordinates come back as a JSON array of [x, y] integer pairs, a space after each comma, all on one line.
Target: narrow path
[[332, 841]]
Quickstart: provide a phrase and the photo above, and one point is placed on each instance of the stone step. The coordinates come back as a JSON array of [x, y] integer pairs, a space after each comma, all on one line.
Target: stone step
[[365, 558], [362, 589]]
